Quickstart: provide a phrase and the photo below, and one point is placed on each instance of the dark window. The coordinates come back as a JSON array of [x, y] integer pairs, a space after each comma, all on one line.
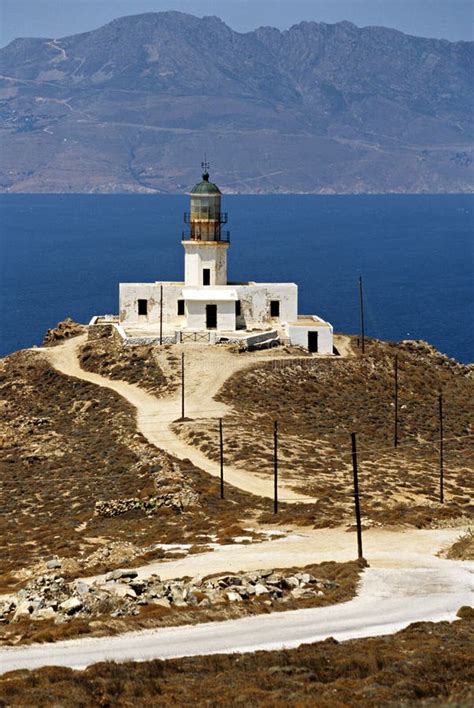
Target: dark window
[[313, 341], [274, 308], [143, 307], [237, 308], [206, 276], [211, 316], [180, 307]]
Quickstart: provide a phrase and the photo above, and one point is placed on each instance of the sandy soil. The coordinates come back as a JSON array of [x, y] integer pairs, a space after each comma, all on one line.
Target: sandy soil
[[383, 548]]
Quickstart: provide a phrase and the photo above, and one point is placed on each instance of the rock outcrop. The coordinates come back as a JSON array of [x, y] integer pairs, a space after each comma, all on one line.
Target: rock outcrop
[[63, 330], [122, 592]]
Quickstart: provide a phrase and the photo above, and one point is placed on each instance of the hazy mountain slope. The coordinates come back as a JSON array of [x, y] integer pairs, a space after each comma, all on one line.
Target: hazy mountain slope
[[135, 104]]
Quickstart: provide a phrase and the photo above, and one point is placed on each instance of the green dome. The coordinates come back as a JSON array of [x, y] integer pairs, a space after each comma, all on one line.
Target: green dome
[[205, 187]]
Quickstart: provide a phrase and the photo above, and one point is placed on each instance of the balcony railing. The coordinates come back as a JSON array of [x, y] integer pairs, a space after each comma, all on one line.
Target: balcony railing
[[191, 217], [223, 236]]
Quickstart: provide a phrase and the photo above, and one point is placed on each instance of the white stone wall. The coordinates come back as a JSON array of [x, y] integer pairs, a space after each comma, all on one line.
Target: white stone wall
[[298, 335], [254, 298], [255, 301], [200, 255], [130, 293], [197, 315]]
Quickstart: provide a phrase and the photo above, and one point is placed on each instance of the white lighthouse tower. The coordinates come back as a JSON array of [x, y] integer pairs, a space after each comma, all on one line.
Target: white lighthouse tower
[[205, 244]]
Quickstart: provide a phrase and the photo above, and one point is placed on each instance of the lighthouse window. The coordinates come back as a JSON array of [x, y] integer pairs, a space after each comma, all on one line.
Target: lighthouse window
[[143, 307], [206, 276], [274, 308], [180, 307], [237, 308]]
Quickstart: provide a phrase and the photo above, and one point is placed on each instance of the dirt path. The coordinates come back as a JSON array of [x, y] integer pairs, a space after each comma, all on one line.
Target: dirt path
[[383, 548], [407, 583], [206, 370]]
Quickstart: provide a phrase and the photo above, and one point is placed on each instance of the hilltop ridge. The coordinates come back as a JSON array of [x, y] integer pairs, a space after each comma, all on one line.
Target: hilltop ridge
[[318, 108]]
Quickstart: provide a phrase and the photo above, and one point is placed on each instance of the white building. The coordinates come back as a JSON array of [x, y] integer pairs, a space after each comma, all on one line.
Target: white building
[[205, 304]]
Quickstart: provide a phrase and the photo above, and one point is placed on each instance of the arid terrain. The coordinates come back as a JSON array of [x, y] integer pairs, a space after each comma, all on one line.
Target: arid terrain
[[100, 477], [426, 664]]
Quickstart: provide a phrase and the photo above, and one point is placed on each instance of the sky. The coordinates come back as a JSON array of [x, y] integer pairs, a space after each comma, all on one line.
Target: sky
[[446, 19]]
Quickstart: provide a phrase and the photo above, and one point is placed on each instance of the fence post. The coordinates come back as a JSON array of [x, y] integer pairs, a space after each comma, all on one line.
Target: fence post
[[395, 432], [441, 450], [361, 305], [221, 448], [182, 385], [275, 467], [356, 496], [161, 314]]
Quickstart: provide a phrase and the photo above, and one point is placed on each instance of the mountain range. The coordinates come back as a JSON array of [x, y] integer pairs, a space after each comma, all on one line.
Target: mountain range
[[319, 108]]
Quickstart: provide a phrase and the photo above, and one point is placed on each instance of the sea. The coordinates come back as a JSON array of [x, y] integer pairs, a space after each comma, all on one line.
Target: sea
[[64, 256]]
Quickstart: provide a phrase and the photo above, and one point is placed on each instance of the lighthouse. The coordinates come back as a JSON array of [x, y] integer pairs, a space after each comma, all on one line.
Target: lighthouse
[[205, 243], [206, 306]]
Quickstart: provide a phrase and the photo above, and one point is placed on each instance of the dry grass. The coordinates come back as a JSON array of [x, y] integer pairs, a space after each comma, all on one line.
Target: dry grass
[[463, 549], [318, 402], [425, 664], [136, 365]]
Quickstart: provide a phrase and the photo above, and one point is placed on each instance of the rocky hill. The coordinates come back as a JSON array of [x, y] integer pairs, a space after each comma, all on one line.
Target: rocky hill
[[134, 105]]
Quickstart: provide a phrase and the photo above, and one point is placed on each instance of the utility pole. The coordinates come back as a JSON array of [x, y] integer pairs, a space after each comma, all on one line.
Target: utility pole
[[441, 450], [182, 385], [356, 496], [161, 314], [275, 467], [395, 432], [221, 447], [361, 305]]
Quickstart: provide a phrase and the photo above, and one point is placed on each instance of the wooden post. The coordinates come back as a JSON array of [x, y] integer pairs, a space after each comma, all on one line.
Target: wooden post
[[395, 432], [161, 314], [275, 467], [182, 385], [441, 450], [356, 496], [221, 447], [361, 304]]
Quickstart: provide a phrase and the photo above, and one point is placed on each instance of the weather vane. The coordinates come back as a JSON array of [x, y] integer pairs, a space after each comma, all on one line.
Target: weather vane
[[205, 164]]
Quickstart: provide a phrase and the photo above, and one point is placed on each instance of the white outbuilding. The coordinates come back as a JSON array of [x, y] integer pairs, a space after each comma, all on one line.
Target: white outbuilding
[[205, 306]]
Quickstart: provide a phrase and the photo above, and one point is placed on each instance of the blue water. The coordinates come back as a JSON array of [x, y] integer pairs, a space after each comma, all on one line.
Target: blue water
[[65, 255]]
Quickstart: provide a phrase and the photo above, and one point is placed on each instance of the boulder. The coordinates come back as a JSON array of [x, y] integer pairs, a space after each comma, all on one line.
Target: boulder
[[305, 578], [178, 596], [290, 582], [124, 591], [82, 588], [138, 586], [71, 606], [161, 602], [121, 573], [233, 596], [273, 579], [22, 611], [261, 589], [53, 563], [45, 613], [302, 593]]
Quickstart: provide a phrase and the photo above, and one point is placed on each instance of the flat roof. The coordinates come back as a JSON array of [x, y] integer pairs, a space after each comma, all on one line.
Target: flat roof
[[207, 294], [309, 321]]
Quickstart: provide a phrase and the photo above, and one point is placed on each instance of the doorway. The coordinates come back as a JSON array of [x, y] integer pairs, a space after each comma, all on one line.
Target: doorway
[[211, 316], [312, 341]]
